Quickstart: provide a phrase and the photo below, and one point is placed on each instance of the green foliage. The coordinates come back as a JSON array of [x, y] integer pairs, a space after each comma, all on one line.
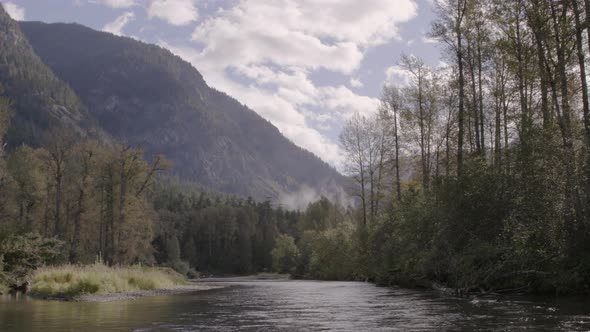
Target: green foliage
[[284, 254], [486, 231], [332, 254], [20, 255], [219, 234]]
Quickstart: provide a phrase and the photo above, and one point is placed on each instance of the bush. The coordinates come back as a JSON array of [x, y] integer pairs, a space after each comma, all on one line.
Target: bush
[[284, 254], [332, 255], [22, 254]]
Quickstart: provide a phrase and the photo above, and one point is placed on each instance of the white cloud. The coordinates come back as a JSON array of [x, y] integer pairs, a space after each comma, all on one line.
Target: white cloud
[[175, 12], [309, 34], [115, 27], [15, 11], [397, 75], [273, 46], [346, 102], [118, 3], [356, 83]]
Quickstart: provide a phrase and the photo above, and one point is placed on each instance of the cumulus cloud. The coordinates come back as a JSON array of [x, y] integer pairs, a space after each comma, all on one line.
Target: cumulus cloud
[[15, 11], [309, 34], [115, 27], [263, 53], [175, 12], [118, 3]]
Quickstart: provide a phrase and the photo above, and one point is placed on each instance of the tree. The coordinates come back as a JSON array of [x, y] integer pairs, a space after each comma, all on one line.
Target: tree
[[391, 106], [354, 140], [58, 142], [420, 111], [26, 170], [448, 28], [284, 254]]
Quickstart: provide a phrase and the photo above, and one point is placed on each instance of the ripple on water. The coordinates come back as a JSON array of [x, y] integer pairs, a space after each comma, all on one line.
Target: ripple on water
[[298, 306]]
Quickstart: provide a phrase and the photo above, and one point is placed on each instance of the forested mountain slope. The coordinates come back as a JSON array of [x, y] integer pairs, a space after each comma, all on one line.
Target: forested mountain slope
[[146, 96], [39, 99]]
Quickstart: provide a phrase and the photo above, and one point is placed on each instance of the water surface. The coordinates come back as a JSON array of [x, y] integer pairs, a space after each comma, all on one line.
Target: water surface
[[297, 306]]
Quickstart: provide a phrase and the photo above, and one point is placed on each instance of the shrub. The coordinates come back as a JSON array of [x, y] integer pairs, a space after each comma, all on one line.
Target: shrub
[[284, 254], [21, 254]]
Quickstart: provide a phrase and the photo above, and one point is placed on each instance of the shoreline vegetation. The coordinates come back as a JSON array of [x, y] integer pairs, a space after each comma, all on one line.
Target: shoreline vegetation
[[101, 283]]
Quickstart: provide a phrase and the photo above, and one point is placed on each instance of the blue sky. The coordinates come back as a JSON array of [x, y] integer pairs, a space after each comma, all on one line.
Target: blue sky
[[305, 65]]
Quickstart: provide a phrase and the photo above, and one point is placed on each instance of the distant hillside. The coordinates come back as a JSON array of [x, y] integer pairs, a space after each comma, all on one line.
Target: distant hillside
[[146, 96], [40, 99]]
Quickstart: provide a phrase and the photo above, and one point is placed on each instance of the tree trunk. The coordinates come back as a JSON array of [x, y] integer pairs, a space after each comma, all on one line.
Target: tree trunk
[[497, 126], [587, 5], [524, 122], [474, 102], [397, 177], [572, 197], [461, 114], [582, 64], [425, 171], [479, 78], [58, 200]]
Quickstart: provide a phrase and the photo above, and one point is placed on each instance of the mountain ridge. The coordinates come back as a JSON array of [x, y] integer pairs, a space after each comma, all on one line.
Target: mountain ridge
[[145, 95]]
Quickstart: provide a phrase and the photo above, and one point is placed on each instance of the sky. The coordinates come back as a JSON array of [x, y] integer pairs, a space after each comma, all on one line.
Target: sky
[[304, 65]]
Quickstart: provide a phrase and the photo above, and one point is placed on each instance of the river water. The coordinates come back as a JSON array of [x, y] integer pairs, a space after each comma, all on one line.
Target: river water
[[297, 306]]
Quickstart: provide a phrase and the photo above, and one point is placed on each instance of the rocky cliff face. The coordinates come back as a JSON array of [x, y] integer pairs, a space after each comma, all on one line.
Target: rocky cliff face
[[146, 96]]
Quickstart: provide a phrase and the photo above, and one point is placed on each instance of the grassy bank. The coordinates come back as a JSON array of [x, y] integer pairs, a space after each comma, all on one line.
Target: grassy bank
[[75, 280]]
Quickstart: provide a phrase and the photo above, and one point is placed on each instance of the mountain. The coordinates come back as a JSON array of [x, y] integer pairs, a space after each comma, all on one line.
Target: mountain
[[41, 99], [144, 95]]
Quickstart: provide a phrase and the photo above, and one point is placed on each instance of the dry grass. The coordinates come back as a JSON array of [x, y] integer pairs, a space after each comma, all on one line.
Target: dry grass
[[73, 280]]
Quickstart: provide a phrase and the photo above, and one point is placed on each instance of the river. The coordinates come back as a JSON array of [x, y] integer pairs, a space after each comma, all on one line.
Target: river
[[297, 306]]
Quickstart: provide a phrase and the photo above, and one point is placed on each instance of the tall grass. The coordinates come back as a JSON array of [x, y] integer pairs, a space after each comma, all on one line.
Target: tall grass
[[72, 280]]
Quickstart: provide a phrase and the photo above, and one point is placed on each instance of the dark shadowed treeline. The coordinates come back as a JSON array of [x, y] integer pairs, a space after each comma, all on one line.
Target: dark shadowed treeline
[[228, 235]]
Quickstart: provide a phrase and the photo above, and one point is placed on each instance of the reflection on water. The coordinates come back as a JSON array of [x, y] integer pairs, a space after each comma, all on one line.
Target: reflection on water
[[296, 306]]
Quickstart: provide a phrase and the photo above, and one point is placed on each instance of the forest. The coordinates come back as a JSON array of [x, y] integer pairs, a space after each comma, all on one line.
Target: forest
[[81, 201], [473, 175]]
